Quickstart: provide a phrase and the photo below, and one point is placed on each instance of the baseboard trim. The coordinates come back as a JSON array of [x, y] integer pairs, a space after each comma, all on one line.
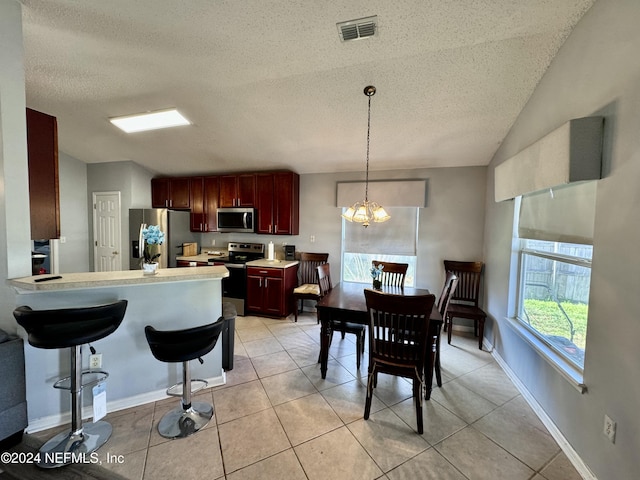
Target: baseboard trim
[[566, 447], [52, 421]]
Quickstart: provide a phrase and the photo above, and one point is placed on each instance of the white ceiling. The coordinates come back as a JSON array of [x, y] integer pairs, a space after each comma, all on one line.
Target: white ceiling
[[268, 84]]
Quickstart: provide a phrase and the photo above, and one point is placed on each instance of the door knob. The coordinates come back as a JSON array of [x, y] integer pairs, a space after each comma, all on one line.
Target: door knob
[[115, 252]]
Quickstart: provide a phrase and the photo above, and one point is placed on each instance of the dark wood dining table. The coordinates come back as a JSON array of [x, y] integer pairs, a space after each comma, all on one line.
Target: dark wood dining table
[[345, 301]]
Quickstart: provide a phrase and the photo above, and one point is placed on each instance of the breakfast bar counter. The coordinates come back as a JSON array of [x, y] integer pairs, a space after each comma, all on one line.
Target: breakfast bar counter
[[83, 280], [172, 299]]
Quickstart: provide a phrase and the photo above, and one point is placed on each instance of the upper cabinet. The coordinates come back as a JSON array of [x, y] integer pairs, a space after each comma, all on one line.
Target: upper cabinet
[[44, 198], [170, 192], [278, 200], [204, 204], [237, 190], [274, 195], [196, 201]]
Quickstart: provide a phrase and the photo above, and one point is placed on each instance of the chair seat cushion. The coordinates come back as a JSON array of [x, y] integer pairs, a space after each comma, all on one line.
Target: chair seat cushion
[[348, 327], [465, 311], [307, 289]]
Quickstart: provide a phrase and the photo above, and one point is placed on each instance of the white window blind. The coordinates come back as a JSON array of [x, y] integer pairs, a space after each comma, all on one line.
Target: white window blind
[[397, 236], [562, 214]]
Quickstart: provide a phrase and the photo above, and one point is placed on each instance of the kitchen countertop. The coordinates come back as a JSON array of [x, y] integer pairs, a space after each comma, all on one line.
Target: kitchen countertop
[[70, 281], [203, 257], [272, 263]]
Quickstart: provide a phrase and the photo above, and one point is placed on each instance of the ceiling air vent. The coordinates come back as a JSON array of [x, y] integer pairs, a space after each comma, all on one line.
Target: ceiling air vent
[[357, 29]]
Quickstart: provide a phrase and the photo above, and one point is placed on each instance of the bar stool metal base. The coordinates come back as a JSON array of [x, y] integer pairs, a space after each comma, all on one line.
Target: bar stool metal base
[[182, 422], [69, 447]]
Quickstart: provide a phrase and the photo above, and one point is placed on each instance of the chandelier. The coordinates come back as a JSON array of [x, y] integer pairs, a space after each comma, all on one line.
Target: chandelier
[[366, 211]]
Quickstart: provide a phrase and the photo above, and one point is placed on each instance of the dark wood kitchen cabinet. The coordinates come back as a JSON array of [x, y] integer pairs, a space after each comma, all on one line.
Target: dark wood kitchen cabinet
[[237, 190], [277, 203], [170, 192], [270, 290], [204, 203], [44, 196]]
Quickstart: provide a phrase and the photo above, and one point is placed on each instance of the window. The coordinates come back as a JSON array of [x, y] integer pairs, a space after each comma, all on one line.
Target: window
[[392, 241], [554, 252], [554, 295]]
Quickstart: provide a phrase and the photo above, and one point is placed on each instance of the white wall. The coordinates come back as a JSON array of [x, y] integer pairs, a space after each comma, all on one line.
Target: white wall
[[596, 72], [74, 252], [15, 234]]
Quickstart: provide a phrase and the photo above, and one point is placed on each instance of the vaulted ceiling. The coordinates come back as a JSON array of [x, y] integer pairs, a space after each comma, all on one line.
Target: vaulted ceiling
[[269, 84]]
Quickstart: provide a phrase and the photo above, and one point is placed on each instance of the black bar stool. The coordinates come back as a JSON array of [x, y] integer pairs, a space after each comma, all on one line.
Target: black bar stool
[[182, 346], [71, 328]]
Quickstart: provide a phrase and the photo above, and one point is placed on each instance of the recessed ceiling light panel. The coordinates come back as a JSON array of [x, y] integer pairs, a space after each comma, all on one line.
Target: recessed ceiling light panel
[[358, 29], [150, 121]]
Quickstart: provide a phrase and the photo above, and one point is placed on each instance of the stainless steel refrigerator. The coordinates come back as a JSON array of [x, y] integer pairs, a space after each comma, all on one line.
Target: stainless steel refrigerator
[[174, 224]]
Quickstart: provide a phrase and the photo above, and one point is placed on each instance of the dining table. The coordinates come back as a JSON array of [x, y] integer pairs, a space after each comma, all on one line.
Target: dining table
[[346, 301]]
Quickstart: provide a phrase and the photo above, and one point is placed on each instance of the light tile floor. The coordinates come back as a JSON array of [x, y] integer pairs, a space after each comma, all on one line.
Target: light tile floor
[[276, 418]]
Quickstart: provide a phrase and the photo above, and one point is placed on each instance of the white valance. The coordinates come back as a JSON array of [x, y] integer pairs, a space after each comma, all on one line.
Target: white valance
[[571, 153], [388, 193]]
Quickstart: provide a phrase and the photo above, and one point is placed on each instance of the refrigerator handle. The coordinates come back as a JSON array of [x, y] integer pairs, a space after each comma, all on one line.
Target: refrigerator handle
[[141, 239]]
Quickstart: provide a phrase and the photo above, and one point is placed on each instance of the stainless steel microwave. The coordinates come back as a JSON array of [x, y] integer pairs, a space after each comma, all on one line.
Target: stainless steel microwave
[[236, 220]]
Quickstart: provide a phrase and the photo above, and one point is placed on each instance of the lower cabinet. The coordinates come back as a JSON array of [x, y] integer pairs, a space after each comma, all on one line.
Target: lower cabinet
[[270, 290]]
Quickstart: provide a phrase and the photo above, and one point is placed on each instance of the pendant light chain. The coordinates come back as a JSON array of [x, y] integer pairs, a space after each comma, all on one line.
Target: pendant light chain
[[366, 182], [366, 211]]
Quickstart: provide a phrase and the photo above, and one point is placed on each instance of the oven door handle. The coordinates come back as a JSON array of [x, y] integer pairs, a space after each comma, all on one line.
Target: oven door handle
[[234, 265]]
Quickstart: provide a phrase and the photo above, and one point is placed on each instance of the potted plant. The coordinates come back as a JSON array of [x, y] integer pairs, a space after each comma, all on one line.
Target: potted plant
[[152, 237], [375, 274]]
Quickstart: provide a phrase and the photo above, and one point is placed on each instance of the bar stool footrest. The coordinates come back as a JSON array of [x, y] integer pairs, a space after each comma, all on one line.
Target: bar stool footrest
[[93, 378], [197, 384]]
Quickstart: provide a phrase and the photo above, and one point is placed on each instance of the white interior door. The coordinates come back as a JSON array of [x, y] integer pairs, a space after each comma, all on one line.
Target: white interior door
[[107, 249]]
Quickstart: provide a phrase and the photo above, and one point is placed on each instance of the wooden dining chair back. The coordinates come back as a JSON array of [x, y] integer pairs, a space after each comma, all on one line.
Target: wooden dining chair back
[[341, 325], [398, 331], [324, 278], [464, 301], [307, 288], [393, 274], [450, 284]]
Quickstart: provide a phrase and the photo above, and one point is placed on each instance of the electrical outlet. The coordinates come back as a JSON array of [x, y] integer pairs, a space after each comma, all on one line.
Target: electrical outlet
[[312, 238], [610, 428], [213, 242], [95, 361]]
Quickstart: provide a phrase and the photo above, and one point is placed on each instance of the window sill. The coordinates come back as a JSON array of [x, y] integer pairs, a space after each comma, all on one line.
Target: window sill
[[562, 366]]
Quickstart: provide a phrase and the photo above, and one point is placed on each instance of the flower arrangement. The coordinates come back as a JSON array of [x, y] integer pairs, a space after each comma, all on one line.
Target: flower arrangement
[[376, 271], [152, 236]]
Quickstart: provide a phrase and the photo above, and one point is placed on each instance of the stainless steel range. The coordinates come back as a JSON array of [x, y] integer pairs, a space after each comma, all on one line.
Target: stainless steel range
[[234, 288]]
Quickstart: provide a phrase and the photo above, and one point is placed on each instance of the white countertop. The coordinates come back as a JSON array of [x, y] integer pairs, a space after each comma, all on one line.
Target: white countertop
[[203, 257], [71, 281], [272, 263]]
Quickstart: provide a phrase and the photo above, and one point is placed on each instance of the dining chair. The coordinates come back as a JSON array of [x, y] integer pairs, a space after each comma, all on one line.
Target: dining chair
[[342, 326], [398, 331], [464, 301], [393, 274], [450, 284], [307, 288]]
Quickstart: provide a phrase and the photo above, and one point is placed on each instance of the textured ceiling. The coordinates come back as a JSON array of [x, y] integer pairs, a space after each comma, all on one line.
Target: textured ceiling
[[269, 84]]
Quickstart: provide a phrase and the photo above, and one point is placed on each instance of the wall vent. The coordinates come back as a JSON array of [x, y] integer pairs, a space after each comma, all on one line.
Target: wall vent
[[357, 29]]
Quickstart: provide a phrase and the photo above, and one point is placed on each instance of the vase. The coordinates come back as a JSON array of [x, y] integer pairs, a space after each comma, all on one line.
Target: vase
[[150, 268], [377, 285]]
